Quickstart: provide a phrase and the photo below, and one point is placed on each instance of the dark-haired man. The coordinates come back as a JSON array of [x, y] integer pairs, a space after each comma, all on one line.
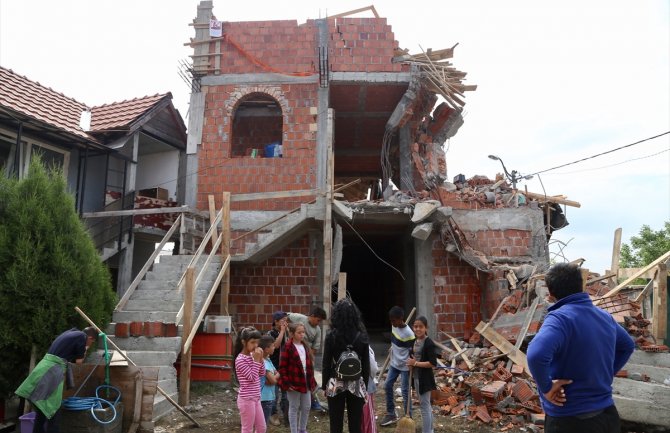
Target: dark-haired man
[[576, 334], [44, 385]]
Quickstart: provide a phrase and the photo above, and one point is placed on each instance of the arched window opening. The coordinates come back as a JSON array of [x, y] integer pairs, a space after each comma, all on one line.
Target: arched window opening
[[257, 127]]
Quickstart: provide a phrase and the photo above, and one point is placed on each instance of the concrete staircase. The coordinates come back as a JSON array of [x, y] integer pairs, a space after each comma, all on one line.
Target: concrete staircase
[[267, 242], [157, 300]]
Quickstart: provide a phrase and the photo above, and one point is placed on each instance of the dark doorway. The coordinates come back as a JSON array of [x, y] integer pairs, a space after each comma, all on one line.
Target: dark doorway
[[372, 284]]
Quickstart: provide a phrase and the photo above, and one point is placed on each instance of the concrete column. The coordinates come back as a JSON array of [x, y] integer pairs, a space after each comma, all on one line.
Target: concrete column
[[425, 292], [323, 98], [125, 275]]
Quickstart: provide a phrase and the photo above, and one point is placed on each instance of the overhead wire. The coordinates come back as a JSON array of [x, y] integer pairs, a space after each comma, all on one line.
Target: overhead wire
[[601, 154], [613, 165]]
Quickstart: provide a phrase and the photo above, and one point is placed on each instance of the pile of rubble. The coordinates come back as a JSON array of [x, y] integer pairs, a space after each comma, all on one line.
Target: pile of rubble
[[486, 378]]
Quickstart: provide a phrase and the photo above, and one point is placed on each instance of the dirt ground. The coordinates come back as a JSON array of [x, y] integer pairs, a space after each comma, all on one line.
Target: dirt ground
[[215, 409]]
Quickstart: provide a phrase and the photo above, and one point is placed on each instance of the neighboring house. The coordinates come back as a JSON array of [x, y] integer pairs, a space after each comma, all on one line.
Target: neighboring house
[[109, 155], [343, 102]]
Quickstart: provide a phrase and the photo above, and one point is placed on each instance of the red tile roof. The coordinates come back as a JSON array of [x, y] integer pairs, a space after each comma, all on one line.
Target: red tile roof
[[41, 103], [119, 115]]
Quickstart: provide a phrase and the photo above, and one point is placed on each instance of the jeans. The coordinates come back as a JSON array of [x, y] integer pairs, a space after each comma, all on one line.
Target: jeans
[[354, 412], [606, 422], [267, 406], [251, 416], [404, 386], [426, 412], [298, 410]]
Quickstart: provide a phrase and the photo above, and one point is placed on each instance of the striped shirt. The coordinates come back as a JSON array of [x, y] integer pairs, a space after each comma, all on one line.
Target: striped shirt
[[249, 373]]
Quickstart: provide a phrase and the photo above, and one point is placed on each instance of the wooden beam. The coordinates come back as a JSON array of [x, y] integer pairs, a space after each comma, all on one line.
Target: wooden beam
[[212, 217], [355, 11], [342, 286], [664, 258], [616, 255], [274, 194], [659, 324], [524, 328], [225, 252], [628, 272], [185, 370], [505, 346], [552, 199], [131, 212]]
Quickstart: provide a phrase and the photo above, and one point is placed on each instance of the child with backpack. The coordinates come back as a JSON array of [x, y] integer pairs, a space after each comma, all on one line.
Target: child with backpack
[[346, 367], [402, 341], [249, 368], [269, 381], [296, 378], [422, 361]]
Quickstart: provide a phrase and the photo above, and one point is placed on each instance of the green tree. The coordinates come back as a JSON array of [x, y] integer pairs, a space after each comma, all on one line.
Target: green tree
[[646, 247], [48, 265]]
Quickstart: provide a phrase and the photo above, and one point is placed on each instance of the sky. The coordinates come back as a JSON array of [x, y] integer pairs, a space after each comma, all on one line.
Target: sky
[[557, 82]]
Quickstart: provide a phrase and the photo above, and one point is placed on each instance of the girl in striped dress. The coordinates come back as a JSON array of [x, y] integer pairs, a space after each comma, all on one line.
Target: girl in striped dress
[[249, 368]]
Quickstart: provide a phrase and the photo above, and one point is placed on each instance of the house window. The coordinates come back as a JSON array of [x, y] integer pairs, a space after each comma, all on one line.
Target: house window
[[257, 126], [52, 156]]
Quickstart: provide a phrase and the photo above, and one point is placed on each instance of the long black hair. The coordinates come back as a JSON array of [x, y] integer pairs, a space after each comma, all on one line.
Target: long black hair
[[346, 322], [244, 335]]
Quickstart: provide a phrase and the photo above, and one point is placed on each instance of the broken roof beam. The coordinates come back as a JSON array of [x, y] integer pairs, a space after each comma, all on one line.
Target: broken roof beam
[[552, 199], [446, 53], [663, 259], [355, 11]]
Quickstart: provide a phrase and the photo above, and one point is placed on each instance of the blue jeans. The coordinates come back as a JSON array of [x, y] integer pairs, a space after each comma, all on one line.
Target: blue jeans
[[404, 387], [267, 406]]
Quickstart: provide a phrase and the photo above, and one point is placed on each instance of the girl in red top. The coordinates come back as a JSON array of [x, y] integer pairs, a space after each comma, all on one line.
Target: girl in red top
[[296, 377], [249, 368]]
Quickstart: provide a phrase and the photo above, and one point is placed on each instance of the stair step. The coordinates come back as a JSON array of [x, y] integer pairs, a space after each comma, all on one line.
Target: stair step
[[152, 358], [162, 406], [172, 344], [144, 316]]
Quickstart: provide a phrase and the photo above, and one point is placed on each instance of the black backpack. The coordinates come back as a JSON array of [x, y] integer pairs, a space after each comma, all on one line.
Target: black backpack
[[348, 365]]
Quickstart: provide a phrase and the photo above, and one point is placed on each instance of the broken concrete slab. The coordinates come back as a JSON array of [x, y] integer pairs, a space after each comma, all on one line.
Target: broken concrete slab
[[442, 214], [641, 402], [423, 210], [422, 231]]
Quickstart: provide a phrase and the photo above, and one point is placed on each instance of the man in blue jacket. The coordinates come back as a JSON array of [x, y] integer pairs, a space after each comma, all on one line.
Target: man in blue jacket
[[574, 357]]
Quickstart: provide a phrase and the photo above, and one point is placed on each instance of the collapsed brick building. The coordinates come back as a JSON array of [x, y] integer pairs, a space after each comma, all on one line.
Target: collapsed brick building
[[279, 107]]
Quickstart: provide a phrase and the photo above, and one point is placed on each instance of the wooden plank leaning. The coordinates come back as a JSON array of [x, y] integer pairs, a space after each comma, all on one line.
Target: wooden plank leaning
[[388, 357], [130, 361], [664, 258], [505, 346]]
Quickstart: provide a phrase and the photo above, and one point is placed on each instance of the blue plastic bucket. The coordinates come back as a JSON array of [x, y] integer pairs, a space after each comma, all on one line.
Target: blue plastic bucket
[[272, 150], [27, 422]]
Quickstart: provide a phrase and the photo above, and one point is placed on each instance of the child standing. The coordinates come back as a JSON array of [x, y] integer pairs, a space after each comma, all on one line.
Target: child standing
[[296, 378], [402, 341], [270, 379], [422, 361], [368, 422], [249, 368]]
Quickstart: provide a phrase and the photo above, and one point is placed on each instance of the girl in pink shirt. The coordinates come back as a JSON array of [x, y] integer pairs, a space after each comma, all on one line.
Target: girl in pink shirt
[[249, 368]]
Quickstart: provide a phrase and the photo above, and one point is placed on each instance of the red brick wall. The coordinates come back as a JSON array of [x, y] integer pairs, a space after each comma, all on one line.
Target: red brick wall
[[288, 281], [356, 44], [218, 171], [501, 243], [362, 44], [457, 293], [278, 45]]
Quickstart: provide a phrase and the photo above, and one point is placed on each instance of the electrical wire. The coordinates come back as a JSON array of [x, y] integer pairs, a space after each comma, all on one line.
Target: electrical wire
[[613, 165], [373, 251], [600, 154]]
